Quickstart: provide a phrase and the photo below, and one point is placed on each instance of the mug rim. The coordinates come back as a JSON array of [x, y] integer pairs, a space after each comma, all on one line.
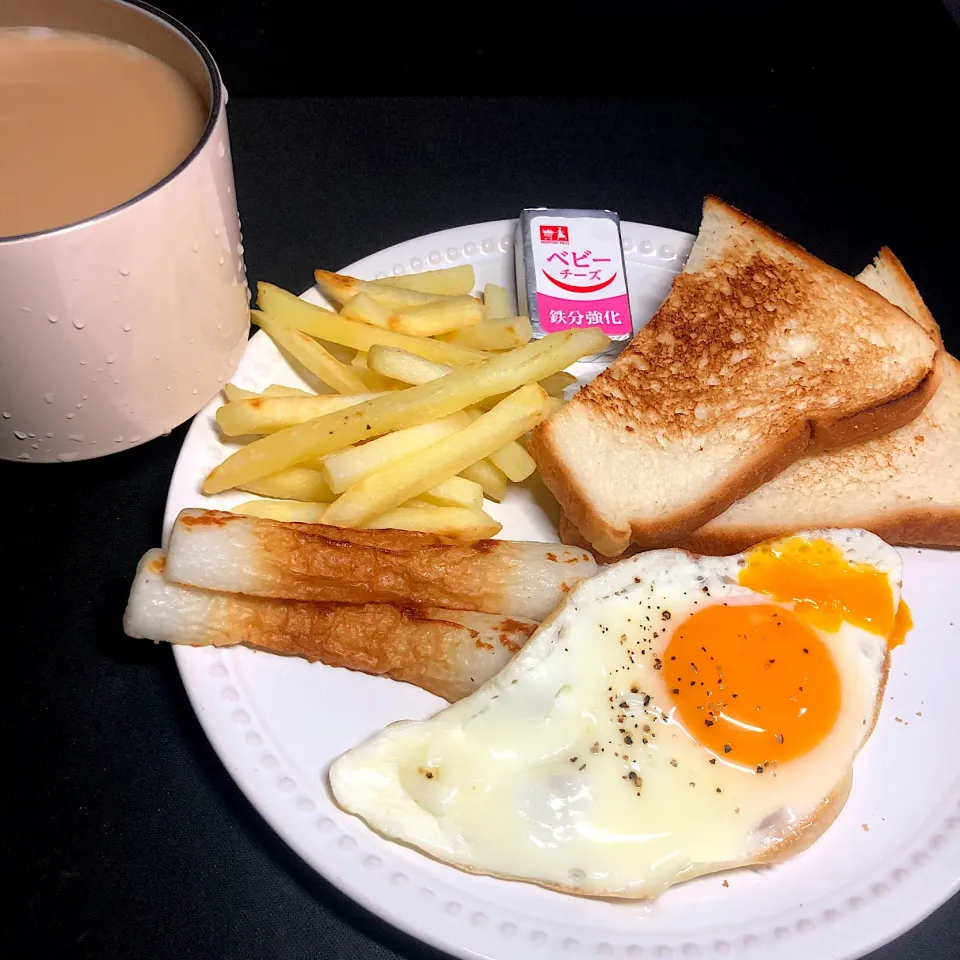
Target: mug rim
[[216, 106]]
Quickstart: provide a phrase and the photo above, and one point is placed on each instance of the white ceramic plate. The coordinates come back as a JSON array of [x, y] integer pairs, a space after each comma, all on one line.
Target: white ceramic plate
[[891, 858]]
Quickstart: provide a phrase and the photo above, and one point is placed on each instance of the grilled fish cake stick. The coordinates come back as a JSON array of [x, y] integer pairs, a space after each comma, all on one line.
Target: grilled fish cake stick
[[446, 652], [309, 561]]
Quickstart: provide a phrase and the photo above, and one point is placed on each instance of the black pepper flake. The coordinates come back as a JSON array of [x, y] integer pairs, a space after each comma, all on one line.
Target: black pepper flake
[[634, 690], [573, 759], [805, 650], [368, 426], [673, 763], [628, 740], [632, 775], [675, 690], [708, 722], [713, 759], [582, 767], [759, 768], [692, 784], [646, 699], [665, 614], [727, 748], [719, 790], [673, 658], [778, 737], [771, 661]]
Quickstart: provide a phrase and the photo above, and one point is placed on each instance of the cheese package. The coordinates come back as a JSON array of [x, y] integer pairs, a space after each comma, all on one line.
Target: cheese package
[[571, 272]]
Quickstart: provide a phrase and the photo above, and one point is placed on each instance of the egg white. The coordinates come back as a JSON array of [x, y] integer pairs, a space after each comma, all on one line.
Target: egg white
[[529, 778]]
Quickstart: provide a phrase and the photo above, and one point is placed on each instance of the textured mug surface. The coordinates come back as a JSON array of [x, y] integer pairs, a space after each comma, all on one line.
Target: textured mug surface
[[117, 329]]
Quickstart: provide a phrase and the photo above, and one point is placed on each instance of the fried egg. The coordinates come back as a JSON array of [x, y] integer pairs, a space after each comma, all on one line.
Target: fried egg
[[677, 715]]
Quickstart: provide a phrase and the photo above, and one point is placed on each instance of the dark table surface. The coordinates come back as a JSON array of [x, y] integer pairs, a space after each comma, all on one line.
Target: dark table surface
[[124, 835]]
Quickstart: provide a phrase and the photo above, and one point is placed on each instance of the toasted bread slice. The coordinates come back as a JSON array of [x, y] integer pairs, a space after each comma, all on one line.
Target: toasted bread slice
[[904, 486], [760, 354]]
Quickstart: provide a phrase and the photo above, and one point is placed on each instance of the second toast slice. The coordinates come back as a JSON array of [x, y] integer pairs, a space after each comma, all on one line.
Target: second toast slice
[[760, 353]]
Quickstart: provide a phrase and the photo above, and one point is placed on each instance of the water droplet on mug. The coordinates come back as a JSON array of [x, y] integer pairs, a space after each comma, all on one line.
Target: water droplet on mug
[[6, 414], [124, 271], [76, 437], [67, 457], [52, 317], [194, 391], [216, 231], [23, 456], [19, 434], [239, 249], [110, 357], [220, 260], [195, 247], [229, 190], [221, 149], [83, 363], [26, 309], [71, 415], [49, 397], [126, 328], [34, 446], [135, 439], [79, 324], [31, 435], [168, 386], [48, 435], [84, 397], [118, 439]]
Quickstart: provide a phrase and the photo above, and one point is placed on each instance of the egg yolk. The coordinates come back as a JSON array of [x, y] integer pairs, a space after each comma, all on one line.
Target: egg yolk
[[826, 588], [754, 684]]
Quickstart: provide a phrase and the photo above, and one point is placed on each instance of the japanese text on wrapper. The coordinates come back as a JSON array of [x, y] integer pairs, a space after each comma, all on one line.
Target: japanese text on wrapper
[[579, 264], [585, 318]]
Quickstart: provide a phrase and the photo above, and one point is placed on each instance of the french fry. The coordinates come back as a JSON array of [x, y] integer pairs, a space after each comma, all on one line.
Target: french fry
[[360, 360], [409, 477], [511, 458], [280, 390], [458, 523], [401, 365], [289, 511], [496, 301], [376, 383], [452, 281], [405, 408], [318, 360], [554, 405], [501, 334], [294, 483], [492, 480], [241, 418], [514, 461], [440, 317], [337, 286], [455, 492], [232, 392], [364, 309], [347, 467], [556, 383], [404, 366], [293, 312]]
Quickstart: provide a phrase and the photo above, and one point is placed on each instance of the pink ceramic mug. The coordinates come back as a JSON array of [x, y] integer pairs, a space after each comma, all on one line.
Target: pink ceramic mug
[[116, 329]]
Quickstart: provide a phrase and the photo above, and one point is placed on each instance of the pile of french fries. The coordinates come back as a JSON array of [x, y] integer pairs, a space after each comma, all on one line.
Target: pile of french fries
[[432, 390]]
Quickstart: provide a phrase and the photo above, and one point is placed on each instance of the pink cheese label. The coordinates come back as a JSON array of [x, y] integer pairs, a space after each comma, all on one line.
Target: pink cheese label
[[610, 314], [579, 274]]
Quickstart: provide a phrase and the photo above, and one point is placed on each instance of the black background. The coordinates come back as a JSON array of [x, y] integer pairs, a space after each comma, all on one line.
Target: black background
[[123, 836]]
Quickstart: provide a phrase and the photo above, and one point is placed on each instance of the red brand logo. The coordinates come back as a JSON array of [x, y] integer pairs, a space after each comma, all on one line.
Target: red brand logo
[[554, 233]]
